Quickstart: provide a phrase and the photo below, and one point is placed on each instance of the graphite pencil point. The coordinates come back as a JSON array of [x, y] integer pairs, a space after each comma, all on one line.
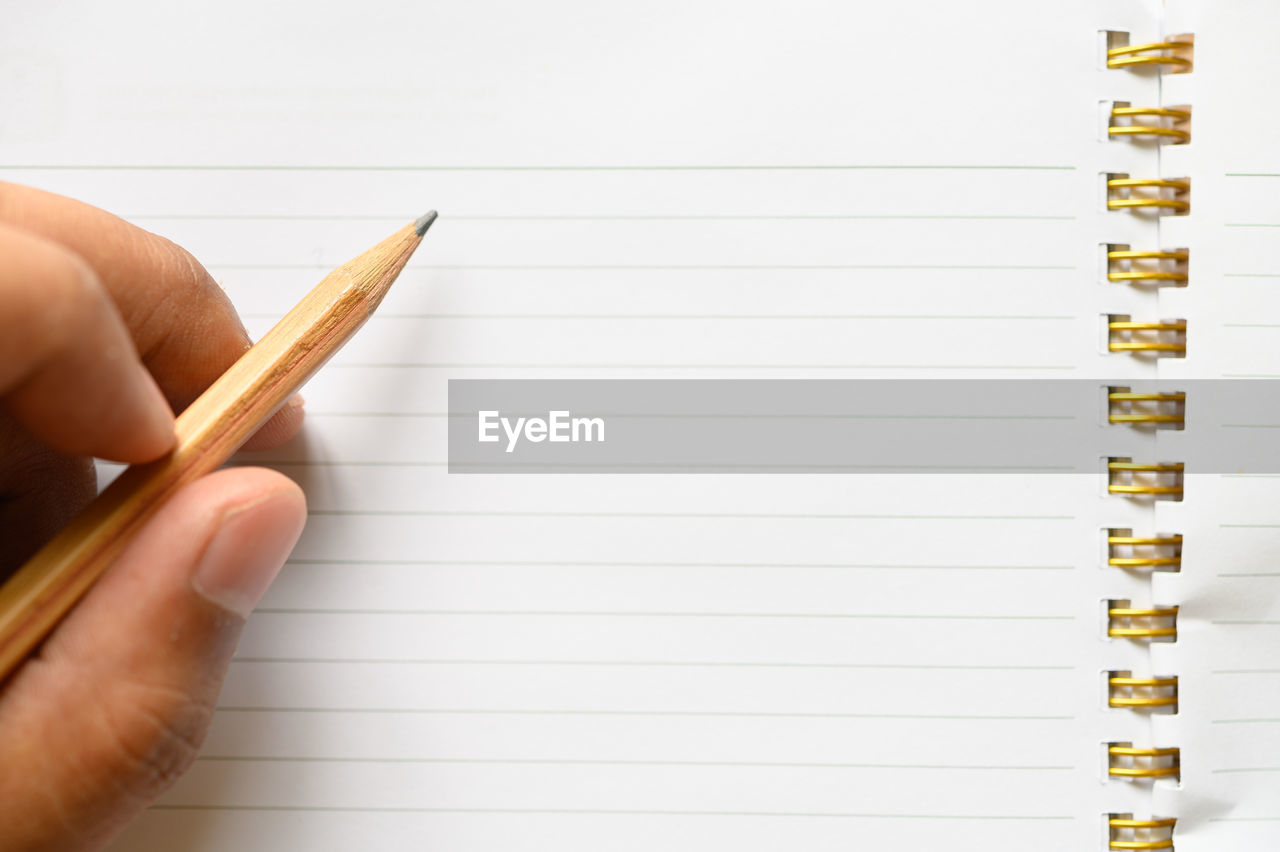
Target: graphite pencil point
[[424, 222]]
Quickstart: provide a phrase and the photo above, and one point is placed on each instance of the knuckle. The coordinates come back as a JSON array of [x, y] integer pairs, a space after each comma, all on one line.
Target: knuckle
[[155, 737], [187, 331], [183, 291], [184, 278]]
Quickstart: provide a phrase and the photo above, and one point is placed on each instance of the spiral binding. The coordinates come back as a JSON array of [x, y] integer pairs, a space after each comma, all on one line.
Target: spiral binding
[[1161, 410], [1159, 479], [1125, 761], [1125, 832], [1168, 267], [1158, 124], [1165, 336], [1141, 693], [1154, 194], [1125, 550], [1174, 54], [1171, 124], [1126, 622]]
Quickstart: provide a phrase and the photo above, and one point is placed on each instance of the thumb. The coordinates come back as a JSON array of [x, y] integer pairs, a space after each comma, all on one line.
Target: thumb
[[116, 703]]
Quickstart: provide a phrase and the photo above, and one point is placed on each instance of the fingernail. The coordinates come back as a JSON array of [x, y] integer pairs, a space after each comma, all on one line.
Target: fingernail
[[246, 552], [296, 401]]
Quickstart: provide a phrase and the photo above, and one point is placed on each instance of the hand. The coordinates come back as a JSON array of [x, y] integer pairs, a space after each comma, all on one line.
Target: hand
[[103, 329]]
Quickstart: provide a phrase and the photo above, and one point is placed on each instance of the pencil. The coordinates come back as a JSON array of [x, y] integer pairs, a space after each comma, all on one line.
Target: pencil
[[214, 426]]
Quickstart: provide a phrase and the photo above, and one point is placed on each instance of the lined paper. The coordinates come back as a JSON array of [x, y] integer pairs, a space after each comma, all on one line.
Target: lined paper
[[1227, 588], [681, 190]]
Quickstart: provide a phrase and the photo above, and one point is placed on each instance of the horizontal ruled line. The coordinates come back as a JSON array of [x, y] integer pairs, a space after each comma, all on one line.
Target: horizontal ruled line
[[671, 467], [656, 564], [687, 515], [424, 365], [1241, 769], [1246, 622], [664, 317], [534, 613], [745, 764], [708, 416], [603, 267], [1251, 275], [602, 217], [390, 661], [455, 711], [265, 167], [1244, 671], [1240, 574], [608, 812]]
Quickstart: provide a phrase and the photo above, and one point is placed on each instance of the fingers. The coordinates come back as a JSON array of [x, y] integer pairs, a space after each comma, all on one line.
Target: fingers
[[182, 323], [68, 369], [116, 704], [42, 490], [282, 426]]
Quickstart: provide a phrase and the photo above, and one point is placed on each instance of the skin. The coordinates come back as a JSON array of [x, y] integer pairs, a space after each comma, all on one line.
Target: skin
[[105, 331]]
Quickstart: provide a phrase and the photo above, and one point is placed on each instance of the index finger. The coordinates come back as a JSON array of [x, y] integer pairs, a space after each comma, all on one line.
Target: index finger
[[182, 323]]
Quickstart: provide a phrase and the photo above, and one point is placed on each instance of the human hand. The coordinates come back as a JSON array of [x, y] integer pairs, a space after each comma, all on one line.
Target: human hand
[[103, 329]]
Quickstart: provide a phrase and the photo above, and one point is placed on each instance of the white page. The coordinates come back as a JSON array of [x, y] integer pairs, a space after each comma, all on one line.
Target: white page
[[677, 190], [1227, 589]]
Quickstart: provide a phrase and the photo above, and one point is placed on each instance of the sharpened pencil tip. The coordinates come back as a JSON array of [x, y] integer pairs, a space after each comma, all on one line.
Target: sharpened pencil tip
[[424, 222]]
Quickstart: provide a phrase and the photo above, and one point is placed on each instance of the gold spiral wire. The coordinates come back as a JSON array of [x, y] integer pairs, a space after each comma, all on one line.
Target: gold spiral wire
[[1131, 345], [1128, 824], [1174, 541], [1152, 53], [1120, 683], [1118, 398], [1179, 134], [1142, 754], [1126, 614], [1179, 187], [1132, 275]]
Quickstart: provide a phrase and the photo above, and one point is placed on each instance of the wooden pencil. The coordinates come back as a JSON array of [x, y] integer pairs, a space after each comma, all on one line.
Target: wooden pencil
[[208, 432]]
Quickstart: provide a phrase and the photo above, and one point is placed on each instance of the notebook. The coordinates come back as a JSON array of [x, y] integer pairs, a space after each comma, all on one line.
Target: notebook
[[711, 190]]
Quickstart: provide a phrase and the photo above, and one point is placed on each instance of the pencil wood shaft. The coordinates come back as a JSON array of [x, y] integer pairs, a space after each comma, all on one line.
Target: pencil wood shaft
[[208, 432]]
